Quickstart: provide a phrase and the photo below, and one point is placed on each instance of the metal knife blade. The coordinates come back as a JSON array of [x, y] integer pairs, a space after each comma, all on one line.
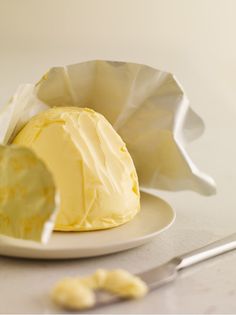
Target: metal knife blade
[[160, 275], [154, 278], [168, 272]]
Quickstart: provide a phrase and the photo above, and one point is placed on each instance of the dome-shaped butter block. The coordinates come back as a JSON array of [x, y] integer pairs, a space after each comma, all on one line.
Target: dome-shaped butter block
[[92, 168]]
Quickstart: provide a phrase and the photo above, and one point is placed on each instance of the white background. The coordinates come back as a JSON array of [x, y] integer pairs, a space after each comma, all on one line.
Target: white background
[[195, 40]]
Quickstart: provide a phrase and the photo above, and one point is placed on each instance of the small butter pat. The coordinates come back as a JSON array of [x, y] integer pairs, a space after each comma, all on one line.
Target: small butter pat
[[72, 294], [124, 284], [78, 293], [27, 195], [117, 281], [92, 168]]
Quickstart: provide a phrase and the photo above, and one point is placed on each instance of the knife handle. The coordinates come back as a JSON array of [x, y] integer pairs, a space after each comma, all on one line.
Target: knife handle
[[206, 252]]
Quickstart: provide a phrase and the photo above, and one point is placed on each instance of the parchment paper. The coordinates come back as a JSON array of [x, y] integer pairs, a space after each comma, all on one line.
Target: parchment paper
[[147, 107]]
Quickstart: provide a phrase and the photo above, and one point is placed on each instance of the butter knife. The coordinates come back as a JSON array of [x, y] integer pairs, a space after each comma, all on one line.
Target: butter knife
[[169, 271]]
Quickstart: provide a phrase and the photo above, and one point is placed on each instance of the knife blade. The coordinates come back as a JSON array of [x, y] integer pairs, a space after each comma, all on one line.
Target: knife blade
[[154, 278], [169, 271], [160, 275]]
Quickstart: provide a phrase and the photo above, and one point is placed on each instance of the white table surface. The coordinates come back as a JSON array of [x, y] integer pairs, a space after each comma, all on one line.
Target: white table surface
[[196, 41]]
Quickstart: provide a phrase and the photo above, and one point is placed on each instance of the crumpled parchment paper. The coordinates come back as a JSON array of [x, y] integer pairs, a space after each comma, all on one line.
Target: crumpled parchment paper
[[147, 107]]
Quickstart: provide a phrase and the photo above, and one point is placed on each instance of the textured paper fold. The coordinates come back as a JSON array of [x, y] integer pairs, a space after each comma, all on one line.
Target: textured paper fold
[[28, 196], [147, 107]]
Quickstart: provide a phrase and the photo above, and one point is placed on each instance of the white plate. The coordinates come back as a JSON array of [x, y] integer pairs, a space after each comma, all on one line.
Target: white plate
[[155, 217]]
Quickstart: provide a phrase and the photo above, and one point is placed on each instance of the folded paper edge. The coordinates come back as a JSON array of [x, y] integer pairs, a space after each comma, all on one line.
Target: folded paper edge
[[201, 182]]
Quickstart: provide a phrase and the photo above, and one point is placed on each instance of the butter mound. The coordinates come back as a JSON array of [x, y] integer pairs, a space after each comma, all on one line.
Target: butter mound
[[78, 293], [27, 195], [92, 168]]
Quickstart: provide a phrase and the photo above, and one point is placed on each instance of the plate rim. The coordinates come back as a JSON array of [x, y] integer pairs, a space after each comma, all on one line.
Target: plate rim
[[107, 248]]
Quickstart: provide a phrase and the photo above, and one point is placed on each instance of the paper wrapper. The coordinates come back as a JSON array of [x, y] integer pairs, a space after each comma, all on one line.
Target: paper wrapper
[[147, 107], [28, 196]]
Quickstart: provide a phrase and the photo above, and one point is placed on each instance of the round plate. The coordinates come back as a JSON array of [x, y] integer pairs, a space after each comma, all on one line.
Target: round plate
[[155, 216]]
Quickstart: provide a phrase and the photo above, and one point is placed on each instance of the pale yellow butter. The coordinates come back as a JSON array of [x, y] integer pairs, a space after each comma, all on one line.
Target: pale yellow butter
[[92, 168], [124, 284], [118, 281], [72, 294], [78, 293]]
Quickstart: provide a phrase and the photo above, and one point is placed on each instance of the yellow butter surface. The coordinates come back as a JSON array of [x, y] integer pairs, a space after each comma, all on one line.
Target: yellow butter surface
[[117, 281], [92, 168], [124, 284], [27, 195], [71, 294], [78, 293]]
